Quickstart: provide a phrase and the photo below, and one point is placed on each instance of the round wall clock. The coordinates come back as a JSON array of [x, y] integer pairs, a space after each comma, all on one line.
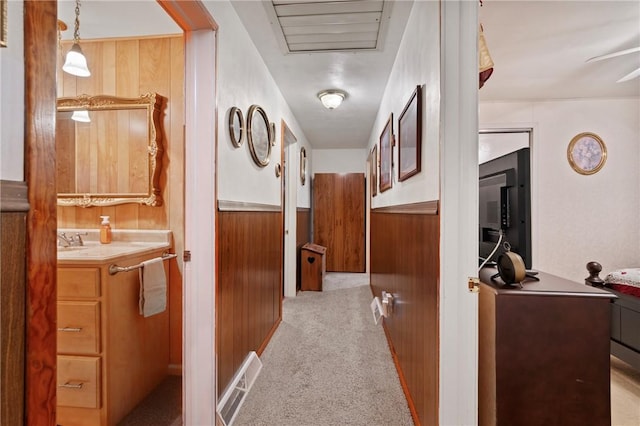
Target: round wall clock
[[587, 153]]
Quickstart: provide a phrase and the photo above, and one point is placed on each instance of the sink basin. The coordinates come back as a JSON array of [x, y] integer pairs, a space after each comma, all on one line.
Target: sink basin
[[125, 243], [72, 248]]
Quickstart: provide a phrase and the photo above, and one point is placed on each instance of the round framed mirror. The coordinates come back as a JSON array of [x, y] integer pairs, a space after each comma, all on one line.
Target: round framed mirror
[[303, 165], [259, 135], [236, 126]]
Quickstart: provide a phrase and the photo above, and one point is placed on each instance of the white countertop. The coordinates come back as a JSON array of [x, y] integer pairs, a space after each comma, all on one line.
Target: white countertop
[[125, 243]]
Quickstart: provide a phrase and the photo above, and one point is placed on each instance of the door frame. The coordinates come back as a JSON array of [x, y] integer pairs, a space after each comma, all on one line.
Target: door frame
[[289, 144], [40, 40], [199, 286]]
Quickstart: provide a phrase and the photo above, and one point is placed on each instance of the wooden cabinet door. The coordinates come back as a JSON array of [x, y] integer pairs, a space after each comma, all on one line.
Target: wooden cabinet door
[[338, 219]]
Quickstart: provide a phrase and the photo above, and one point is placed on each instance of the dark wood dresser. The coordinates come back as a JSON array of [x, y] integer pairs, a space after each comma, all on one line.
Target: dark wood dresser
[[543, 353]]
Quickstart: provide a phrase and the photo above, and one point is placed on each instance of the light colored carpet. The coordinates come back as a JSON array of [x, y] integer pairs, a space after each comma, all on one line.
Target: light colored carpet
[[625, 394], [342, 280], [327, 364]]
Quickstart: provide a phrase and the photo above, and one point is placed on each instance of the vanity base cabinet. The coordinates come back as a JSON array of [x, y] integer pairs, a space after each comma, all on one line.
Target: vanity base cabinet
[[543, 355], [109, 356]]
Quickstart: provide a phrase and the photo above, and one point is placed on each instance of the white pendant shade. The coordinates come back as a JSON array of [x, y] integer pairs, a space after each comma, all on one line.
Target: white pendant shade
[[81, 115], [331, 99], [76, 63]]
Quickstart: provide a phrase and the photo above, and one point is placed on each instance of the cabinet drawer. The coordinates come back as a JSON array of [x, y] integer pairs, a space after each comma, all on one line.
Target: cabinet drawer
[[79, 381], [78, 282], [79, 327]]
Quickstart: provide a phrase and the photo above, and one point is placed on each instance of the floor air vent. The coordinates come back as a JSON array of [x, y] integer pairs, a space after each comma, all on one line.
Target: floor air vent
[[237, 390]]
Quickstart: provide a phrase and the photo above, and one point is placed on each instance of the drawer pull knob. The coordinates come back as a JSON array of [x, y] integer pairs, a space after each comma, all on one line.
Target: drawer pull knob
[[70, 329], [70, 385]]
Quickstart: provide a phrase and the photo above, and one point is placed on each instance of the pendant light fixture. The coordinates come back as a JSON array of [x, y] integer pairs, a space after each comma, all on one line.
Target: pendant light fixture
[[81, 115], [76, 63]]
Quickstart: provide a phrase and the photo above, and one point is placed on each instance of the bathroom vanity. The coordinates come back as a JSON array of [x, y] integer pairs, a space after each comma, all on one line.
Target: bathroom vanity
[[109, 356]]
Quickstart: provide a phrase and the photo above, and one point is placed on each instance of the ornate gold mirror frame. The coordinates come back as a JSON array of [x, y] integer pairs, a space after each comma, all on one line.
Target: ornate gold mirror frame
[[117, 170]]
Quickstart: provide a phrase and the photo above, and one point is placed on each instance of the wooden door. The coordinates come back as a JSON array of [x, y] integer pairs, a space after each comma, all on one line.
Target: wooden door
[[338, 219]]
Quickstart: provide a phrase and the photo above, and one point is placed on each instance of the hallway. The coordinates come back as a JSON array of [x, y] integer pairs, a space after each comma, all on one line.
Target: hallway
[[327, 363]]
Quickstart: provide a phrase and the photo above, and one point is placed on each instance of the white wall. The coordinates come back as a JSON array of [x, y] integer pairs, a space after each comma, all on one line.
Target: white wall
[[12, 99], [244, 80], [577, 218], [417, 63], [339, 160]]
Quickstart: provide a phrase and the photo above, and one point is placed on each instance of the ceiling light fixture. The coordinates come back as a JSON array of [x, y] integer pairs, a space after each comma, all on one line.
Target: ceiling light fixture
[[76, 63], [81, 115], [332, 99]]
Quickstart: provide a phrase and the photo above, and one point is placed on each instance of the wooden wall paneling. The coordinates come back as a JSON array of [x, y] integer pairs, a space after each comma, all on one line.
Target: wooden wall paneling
[[405, 262], [128, 68], [155, 76], [108, 67], [40, 42], [14, 208], [173, 193], [338, 224], [249, 286]]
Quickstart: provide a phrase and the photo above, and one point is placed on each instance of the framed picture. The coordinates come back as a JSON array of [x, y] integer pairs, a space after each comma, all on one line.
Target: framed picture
[[373, 170], [3, 23], [410, 136], [386, 155], [586, 153]]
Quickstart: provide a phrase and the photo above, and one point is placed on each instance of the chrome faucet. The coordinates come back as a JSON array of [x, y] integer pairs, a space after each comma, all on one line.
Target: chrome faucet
[[72, 241], [63, 240]]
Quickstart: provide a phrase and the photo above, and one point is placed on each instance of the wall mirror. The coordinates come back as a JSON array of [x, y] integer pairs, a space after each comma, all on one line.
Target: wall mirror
[[115, 157], [303, 165], [259, 135], [236, 126]]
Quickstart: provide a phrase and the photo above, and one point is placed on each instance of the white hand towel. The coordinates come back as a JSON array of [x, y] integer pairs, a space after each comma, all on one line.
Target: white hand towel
[[153, 287]]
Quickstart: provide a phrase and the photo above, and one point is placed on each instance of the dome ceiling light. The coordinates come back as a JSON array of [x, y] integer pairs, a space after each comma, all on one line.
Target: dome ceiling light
[[332, 99]]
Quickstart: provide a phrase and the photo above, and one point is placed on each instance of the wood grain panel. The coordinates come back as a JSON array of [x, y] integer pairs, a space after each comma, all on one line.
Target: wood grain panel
[[338, 224], [528, 346], [40, 46], [405, 262], [12, 316], [129, 68], [249, 289], [174, 195], [303, 236]]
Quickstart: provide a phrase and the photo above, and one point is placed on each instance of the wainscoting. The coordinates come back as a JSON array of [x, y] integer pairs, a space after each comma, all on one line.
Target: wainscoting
[[249, 294], [13, 225], [405, 261]]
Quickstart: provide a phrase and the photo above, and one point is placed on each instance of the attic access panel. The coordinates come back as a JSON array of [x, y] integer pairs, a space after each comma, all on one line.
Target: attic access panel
[[304, 26]]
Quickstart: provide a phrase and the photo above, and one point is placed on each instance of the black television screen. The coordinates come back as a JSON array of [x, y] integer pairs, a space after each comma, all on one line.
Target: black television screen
[[505, 204]]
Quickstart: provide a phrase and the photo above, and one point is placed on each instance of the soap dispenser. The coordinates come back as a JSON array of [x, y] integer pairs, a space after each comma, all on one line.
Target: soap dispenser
[[105, 230]]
